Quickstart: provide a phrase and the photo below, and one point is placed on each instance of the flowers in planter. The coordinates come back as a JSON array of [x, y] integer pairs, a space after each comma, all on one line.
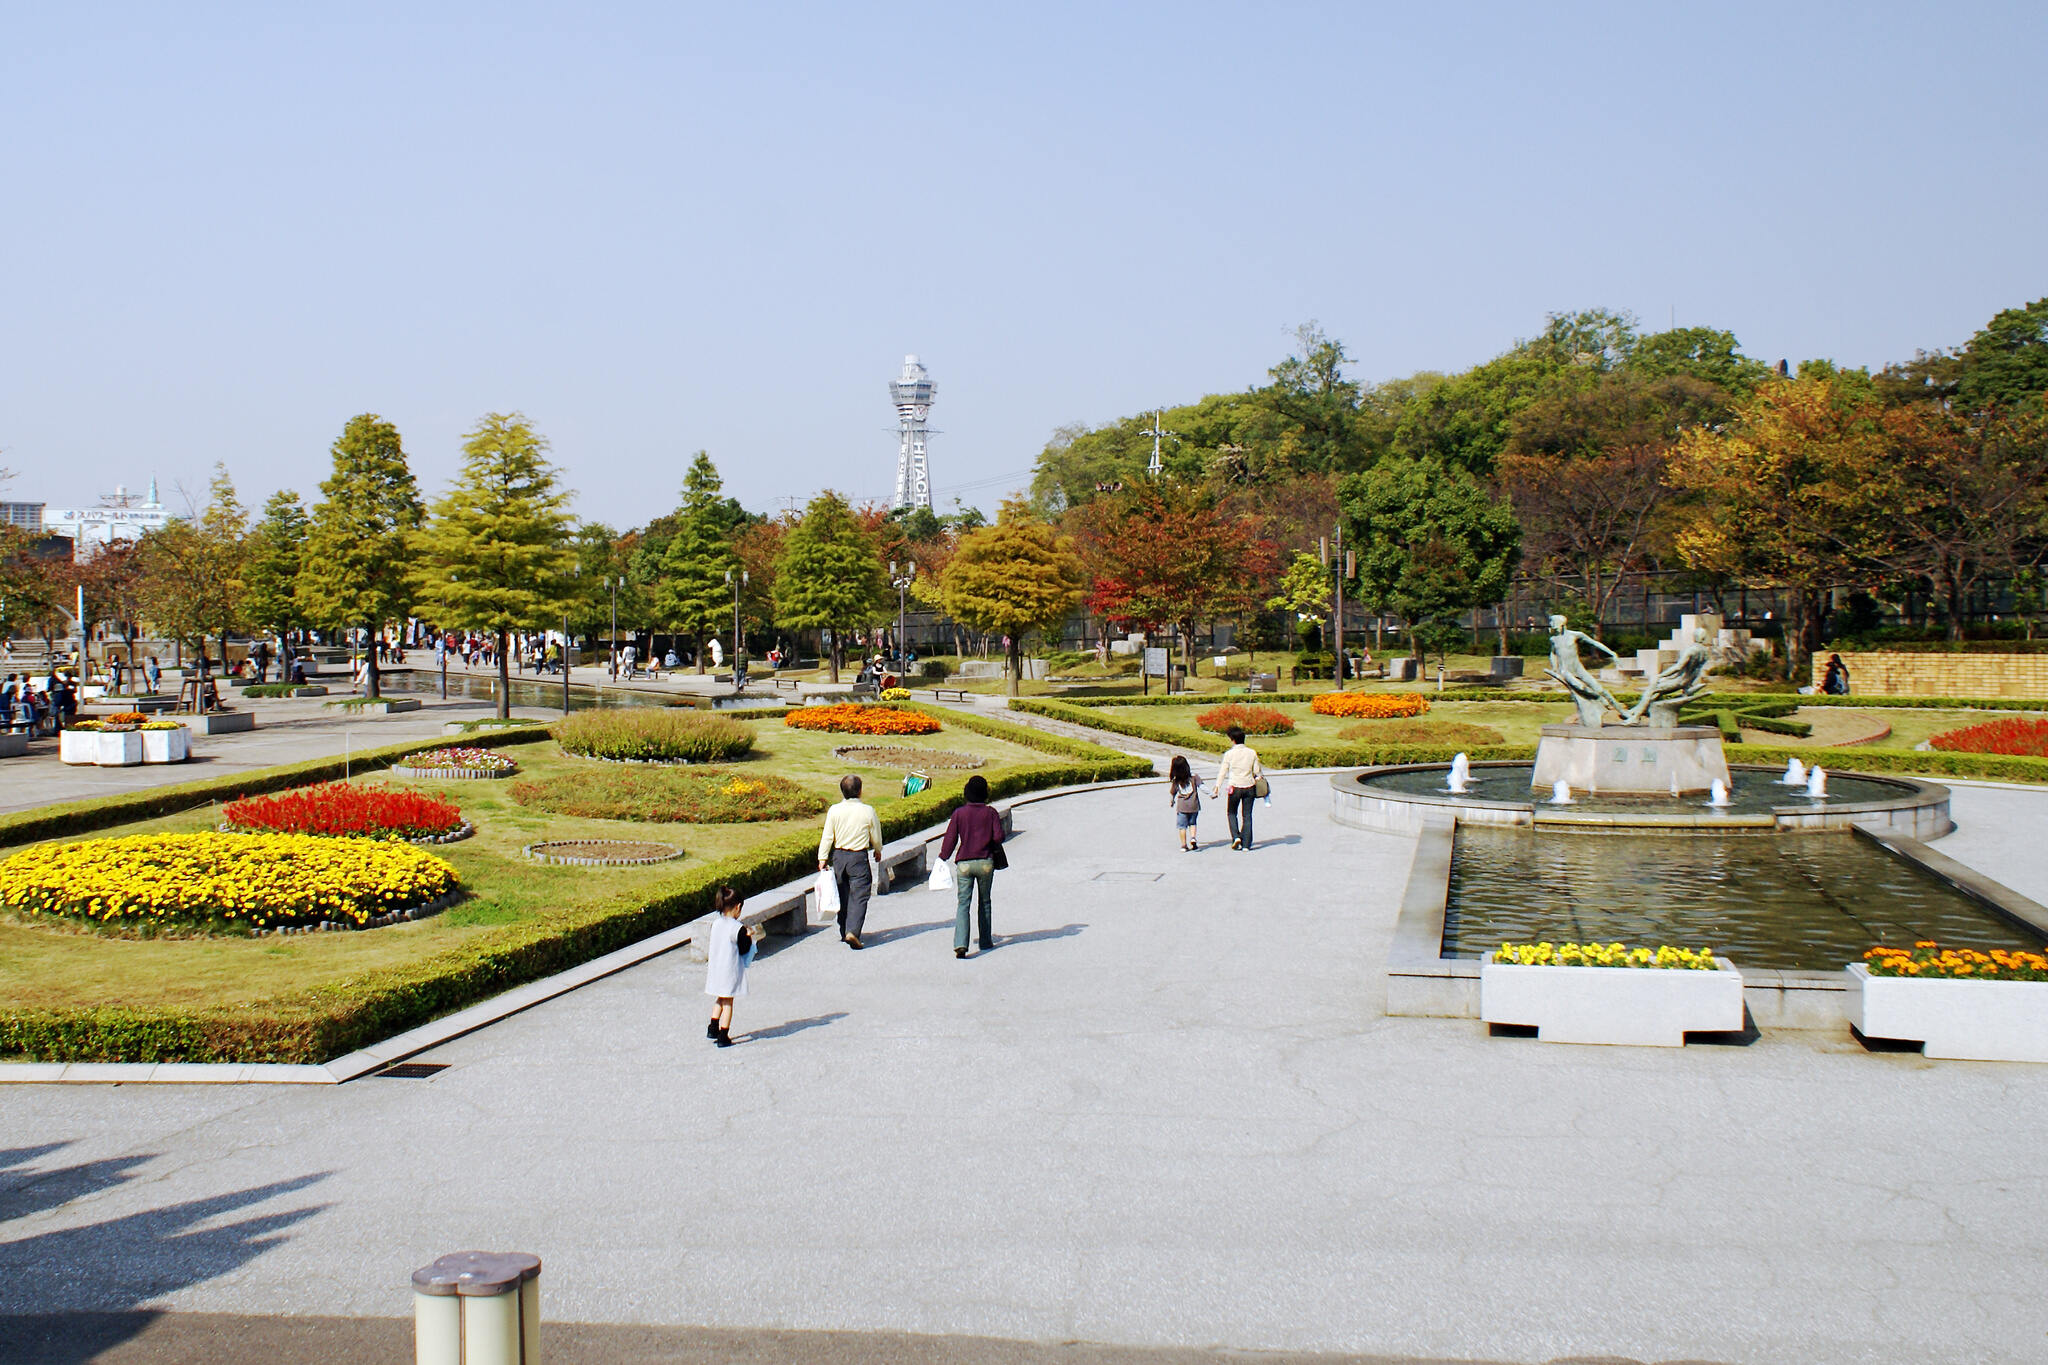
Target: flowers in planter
[[1930, 959], [256, 881], [855, 719], [649, 734], [1369, 705], [462, 759], [2020, 736], [163, 725], [127, 718], [895, 694], [339, 809], [1253, 720], [1604, 955], [91, 727]]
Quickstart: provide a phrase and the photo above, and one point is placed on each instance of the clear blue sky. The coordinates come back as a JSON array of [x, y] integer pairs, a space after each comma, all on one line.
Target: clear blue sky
[[659, 227]]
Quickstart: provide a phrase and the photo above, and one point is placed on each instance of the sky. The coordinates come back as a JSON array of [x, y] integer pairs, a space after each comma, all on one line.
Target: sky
[[661, 228]]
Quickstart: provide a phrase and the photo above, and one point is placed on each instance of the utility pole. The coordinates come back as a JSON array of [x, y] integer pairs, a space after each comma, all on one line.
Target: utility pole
[[738, 640], [1158, 432]]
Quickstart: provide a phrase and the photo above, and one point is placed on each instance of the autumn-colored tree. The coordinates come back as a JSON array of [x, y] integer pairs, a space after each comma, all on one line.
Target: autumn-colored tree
[[757, 547], [1019, 576], [113, 575], [1767, 504], [1166, 554], [192, 570]]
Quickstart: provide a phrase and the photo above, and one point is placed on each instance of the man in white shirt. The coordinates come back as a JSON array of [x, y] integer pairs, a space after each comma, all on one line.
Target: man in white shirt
[[852, 832]]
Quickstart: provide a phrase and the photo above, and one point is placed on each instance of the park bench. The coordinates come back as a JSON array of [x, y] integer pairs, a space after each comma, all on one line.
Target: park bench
[[958, 694], [866, 692]]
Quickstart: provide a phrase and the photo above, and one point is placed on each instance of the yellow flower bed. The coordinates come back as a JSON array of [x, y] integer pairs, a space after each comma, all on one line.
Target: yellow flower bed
[[1369, 705], [1604, 955], [257, 880]]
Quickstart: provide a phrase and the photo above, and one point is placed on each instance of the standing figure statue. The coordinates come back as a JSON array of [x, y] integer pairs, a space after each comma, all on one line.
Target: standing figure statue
[[1588, 693], [1674, 686]]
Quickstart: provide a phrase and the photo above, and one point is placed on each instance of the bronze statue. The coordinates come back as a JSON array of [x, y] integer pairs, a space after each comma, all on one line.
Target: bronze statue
[[1674, 686], [1588, 693]]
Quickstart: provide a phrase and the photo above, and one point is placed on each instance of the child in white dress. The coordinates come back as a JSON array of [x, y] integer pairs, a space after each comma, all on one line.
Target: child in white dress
[[727, 954]]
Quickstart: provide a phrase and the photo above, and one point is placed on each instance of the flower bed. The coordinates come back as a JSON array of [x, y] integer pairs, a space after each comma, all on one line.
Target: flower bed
[[2016, 736], [1461, 734], [1253, 720], [654, 735], [224, 881], [895, 694], [1604, 955], [709, 796], [457, 763], [1931, 960], [852, 718], [898, 756], [1369, 705], [339, 809]]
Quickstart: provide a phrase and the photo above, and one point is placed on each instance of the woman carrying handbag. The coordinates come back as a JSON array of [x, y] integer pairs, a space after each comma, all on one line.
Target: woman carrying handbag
[[1241, 780], [975, 833]]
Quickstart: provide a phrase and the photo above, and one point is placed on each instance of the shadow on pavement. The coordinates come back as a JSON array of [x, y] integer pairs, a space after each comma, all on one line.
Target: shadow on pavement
[[74, 1293], [793, 1026], [1039, 935]]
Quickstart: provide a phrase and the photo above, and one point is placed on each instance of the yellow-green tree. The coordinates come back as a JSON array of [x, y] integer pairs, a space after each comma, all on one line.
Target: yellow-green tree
[[1018, 576], [496, 554]]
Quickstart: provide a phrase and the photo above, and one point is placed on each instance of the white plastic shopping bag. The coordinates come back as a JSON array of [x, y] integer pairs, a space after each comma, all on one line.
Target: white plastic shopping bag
[[941, 878], [828, 894]]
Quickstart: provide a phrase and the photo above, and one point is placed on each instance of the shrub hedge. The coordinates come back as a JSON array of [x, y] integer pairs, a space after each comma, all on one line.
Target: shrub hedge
[[1918, 762], [327, 1022], [83, 817]]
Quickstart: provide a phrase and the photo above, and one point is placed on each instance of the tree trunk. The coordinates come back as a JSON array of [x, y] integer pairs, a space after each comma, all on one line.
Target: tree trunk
[[1016, 661], [1501, 619], [697, 637], [372, 679], [832, 652], [505, 675]]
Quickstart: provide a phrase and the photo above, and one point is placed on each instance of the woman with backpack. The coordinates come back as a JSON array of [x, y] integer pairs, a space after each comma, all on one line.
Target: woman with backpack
[[1184, 794]]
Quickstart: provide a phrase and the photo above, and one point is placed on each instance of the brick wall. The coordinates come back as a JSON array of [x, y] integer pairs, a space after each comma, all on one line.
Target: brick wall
[[1942, 675]]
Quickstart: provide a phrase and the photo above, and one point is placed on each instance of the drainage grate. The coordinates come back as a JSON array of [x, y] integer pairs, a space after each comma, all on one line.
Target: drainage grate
[[1128, 876], [413, 1071]]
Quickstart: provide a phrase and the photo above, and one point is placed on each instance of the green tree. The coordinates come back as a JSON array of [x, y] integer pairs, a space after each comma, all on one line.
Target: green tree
[[600, 560], [2006, 363], [1305, 592], [1432, 543], [827, 577], [355, 570], [1019, 576], [276, 554], [496, 554], [692, 594], [192, 570]]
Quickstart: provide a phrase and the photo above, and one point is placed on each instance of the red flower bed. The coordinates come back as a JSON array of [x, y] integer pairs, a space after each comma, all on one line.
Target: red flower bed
[[2020, 736], [341, 809], [1253, 720]]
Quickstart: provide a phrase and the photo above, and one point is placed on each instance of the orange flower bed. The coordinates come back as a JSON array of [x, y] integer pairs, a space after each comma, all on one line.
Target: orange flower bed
[[851, 718], [1253, 720], [1369, 705], [1929, 959], [2024, 737]]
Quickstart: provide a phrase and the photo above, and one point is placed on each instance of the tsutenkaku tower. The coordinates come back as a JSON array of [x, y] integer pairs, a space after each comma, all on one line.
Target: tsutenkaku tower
[[912, 394]]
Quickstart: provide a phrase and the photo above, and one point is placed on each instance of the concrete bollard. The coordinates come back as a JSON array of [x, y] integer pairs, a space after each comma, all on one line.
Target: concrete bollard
[[477, 1308]]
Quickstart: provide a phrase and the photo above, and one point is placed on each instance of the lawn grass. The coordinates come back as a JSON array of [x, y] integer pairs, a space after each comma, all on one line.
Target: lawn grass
[[56, 967]]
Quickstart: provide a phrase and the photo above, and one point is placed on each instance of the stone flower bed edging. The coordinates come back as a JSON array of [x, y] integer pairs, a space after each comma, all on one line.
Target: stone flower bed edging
[[453, 836], [627, 852], [412, 912], [451, 774]]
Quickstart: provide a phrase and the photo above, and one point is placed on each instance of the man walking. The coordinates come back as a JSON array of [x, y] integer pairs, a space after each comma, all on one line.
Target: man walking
[[852, 831]]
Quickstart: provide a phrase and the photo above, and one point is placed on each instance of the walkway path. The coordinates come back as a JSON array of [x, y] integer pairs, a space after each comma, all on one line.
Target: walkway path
[[1165, 1111]]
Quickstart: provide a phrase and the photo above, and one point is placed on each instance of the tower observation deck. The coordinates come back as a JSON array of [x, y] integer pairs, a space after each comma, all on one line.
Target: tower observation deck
[[912, 393]]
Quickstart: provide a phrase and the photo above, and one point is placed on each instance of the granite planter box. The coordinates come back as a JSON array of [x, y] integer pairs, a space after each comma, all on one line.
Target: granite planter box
[[219, 722], [166, 746], [1643, 1006], [118, 748], [1985, 1021], [383, 706], [13, 745], [80, 747]]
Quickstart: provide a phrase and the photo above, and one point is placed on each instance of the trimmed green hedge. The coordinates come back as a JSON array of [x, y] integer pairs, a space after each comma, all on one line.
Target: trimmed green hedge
[[1279, 759], [1932, 703], [1920, 762], [83, 817], [330, 1021]]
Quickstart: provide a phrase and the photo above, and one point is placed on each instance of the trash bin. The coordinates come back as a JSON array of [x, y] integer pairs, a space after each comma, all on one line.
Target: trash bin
[[477, 1308]]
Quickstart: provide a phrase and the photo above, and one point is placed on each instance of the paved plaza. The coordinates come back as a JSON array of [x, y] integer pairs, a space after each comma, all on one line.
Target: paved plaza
[[1166, 1112]]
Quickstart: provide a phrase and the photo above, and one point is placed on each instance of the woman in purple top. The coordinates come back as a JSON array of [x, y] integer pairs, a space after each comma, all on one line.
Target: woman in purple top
[[975, 833]]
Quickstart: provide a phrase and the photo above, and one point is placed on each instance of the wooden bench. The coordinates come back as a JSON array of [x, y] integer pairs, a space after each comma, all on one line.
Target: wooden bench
[[959, 694]]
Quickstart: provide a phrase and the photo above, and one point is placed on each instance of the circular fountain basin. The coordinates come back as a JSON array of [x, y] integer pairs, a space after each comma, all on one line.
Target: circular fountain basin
[[1401, 799]]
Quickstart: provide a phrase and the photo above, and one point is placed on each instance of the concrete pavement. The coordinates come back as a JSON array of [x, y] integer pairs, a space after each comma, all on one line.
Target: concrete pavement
[[1166, 1112]]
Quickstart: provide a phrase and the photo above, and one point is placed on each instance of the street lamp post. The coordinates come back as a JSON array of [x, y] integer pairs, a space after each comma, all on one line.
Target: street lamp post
[[615, 584], [736, 583], [1345, 563], [902, 581]]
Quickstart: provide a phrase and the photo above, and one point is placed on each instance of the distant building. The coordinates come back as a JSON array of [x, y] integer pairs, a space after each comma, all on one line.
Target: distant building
[[25, 516], [121, 515]]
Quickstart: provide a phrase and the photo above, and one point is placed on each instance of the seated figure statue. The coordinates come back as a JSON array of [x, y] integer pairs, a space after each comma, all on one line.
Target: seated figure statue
[[1588, 694], [1674, 686]]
